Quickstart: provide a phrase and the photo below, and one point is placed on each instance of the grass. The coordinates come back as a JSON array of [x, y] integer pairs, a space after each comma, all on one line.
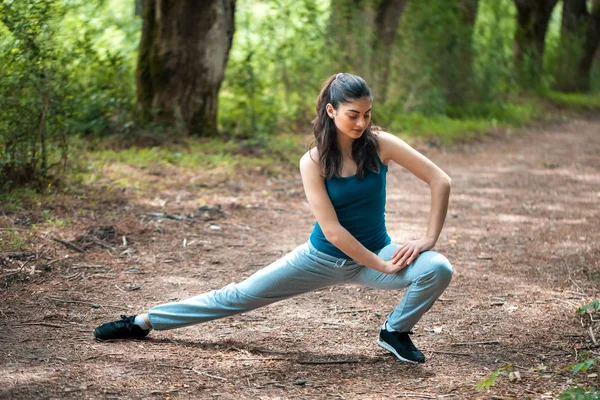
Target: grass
[[17, 199], [15, 240], [465, 123], [209, 153], [132, 167], [573, 101]]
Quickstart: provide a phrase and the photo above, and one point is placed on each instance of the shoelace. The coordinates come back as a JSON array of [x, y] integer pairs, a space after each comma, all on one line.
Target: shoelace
[[128, 321]]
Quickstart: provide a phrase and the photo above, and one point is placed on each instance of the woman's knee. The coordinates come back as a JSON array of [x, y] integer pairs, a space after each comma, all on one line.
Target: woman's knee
[[441, 267], [388, 251]]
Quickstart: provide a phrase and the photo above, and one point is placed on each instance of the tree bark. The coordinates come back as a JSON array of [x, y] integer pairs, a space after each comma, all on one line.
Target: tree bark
[[591, 44], [580, 35], [387, 19], [350, 36], [181, 64], [533, 17], [460, 86]]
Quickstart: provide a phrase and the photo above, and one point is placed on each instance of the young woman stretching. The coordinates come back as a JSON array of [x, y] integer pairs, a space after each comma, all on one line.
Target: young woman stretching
[[344, 178]]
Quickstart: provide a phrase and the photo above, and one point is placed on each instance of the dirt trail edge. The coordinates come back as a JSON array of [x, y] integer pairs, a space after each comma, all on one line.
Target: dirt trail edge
[[522, 234]]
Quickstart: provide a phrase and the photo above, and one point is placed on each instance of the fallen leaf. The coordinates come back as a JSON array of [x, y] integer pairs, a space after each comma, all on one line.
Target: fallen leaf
[[514, 376], [512, 309]]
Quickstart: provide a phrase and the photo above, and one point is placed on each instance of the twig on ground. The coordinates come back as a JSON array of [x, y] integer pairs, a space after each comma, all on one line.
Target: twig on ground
[[209, 375], [103, 355], [563, 301], [89, 266], [102, 244], [173, 366], [329, 362], [473, 343], [94, 305], [451, 353], [122, 290], [67, 244], [575, 283], [592, 336], [419, 395], [351, 311], [442, 300], [43, 324]]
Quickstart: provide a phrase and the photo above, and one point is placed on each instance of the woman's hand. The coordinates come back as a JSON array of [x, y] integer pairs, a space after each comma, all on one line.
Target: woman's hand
[[409, 251], [390, 268]]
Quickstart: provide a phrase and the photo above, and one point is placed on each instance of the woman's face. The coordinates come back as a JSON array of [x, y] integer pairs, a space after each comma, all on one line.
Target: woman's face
[[351, 119]]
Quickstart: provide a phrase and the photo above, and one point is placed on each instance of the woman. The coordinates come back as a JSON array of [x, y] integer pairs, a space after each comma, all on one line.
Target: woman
[[344, 177]]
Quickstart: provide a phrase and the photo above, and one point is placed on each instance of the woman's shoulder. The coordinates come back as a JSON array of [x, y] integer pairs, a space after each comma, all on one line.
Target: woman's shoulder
[[310, 160], [383, 136], [391, 147]]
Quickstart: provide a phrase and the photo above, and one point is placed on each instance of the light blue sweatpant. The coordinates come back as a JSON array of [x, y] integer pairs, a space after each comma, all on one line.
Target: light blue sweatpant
[[306, 269]]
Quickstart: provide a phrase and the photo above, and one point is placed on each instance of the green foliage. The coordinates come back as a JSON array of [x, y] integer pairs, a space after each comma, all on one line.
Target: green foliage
[[584, 366], [493, 43], [490, 380], [460, 123], [67, 72], [580, 394], [573, 101], [592, 307], [17, 199], [275, 67], [205, 153], [15, 240], [55, 81]]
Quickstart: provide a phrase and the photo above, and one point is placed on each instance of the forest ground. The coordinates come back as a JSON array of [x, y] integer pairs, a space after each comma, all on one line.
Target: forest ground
[[522, 234]]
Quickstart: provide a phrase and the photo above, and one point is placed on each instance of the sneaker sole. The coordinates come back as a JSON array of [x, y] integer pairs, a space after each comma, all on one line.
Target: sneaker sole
[[125, 338], [389, 348]]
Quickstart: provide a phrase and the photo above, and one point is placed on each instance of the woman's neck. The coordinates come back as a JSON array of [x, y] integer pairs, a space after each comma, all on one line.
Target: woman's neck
[[345, 145]]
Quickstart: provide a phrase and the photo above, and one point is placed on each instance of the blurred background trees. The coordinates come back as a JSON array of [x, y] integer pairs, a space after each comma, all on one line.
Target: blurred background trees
[[75, 71]]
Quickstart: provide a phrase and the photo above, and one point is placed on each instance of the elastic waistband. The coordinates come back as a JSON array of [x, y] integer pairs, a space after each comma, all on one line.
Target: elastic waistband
[[339, 262]]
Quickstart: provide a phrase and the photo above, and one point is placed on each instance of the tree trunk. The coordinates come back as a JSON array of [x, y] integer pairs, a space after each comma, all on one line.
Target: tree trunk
[[592, 40], [387, 19], [181, 63], [533, 17], [580, 35], [350, 36], [459, 86]]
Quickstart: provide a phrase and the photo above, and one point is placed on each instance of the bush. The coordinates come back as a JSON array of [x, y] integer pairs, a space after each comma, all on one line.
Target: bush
[[54, 83]]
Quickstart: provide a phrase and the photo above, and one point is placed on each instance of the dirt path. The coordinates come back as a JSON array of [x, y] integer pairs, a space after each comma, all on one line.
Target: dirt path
[[522, 234]]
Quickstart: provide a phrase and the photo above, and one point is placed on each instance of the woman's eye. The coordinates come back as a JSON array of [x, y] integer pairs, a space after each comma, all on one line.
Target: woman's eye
[[353, 118]]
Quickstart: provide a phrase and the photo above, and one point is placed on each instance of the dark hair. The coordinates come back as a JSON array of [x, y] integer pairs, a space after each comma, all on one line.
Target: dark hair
[[342, 89]]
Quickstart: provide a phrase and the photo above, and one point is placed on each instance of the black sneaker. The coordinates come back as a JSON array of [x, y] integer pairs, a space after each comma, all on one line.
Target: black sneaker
[[121, 329], [400, 345]]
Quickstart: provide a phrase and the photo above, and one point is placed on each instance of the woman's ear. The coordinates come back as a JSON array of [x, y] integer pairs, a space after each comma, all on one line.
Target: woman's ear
[[330, 110]]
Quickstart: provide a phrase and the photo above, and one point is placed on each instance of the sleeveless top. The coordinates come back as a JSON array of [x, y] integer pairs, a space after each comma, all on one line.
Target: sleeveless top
[[360, 208]]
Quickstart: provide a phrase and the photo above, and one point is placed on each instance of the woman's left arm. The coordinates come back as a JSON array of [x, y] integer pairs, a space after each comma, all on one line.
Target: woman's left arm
[[395, 149]]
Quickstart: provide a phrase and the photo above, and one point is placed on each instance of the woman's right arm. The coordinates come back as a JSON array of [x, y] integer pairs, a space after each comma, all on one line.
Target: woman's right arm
[[335, 233]]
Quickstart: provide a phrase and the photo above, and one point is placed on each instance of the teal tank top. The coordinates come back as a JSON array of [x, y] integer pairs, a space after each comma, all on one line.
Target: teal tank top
[[360, 208]]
